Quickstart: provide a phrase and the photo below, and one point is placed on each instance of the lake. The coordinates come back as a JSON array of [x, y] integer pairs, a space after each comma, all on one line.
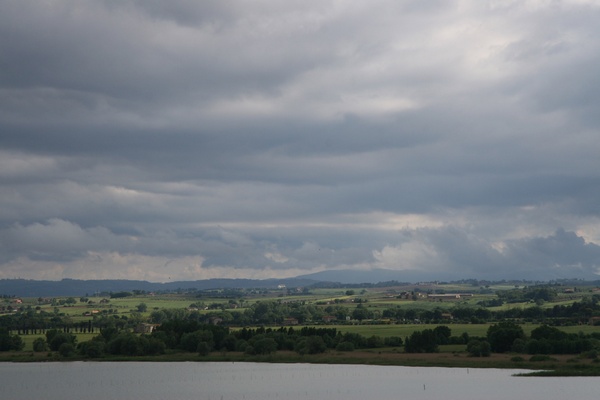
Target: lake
[[252, 381]]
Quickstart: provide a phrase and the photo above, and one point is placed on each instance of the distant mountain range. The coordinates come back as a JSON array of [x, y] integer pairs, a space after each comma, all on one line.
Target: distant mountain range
[[78, 288], [75, 287]]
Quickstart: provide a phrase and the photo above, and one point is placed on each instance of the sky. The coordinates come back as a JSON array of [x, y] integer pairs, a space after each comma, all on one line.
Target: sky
[[185, 140]]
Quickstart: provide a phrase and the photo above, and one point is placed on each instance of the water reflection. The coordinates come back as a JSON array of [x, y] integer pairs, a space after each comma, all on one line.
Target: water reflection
[[250, 381]]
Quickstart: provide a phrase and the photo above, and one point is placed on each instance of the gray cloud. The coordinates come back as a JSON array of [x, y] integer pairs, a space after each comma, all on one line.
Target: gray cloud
[[452, 251], [181, 139]]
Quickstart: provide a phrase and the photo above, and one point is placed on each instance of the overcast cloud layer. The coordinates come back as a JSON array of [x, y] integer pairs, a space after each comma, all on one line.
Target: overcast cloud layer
[[180, 140]]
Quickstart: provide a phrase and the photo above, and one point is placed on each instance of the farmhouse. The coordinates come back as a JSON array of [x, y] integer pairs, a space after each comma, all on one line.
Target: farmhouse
[[441, 297]]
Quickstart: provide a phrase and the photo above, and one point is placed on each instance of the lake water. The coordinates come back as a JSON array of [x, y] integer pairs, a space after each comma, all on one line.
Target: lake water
[[250, 381]]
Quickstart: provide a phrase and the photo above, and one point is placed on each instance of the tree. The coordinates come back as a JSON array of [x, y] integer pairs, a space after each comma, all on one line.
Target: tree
[[360, 313], [66, 349], [393, 341], [39, 344], [310, 345], [203, 348], [92, 348], [17, 343], [108, 333], [264, 346], [126, 343], [56, 338], [229, 342], [189, 341], [541, 346], [479, 348], [548, 332], [157, 317], [358, 340], [10, 342], [345, 346], [142, 307], [501, 336], [519, 346], [540, 293], [375, 341], [442, 334], [70, 301], [421, 342]]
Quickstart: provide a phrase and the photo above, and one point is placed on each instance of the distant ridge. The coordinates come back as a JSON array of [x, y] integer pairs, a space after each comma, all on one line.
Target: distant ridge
[[77, 288]]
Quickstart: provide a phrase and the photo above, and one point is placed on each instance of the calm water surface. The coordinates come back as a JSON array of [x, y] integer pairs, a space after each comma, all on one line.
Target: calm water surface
[[249, 381]]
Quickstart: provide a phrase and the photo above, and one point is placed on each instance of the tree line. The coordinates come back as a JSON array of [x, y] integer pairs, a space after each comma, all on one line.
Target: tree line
[[181, 335]]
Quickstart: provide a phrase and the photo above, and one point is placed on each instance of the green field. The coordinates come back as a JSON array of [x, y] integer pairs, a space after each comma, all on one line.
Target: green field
[[28, 339]]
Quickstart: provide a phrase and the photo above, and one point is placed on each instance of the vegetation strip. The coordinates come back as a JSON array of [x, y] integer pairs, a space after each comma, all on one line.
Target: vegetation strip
[[552, 330]]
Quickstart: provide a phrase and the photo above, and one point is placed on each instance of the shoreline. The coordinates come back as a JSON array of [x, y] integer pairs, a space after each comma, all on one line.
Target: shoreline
[[559, 365]]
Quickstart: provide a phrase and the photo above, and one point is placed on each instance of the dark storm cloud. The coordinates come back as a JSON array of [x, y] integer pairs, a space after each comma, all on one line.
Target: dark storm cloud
[[199, 139], [455, 251], [561, 251]]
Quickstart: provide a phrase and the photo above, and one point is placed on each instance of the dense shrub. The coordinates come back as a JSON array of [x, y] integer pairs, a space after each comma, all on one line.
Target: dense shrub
[[541, 357], [375, 341], [40, 344], [66, 349], [592, 354], [345, 346], [310, 345], [393, 341], [203, 348]]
